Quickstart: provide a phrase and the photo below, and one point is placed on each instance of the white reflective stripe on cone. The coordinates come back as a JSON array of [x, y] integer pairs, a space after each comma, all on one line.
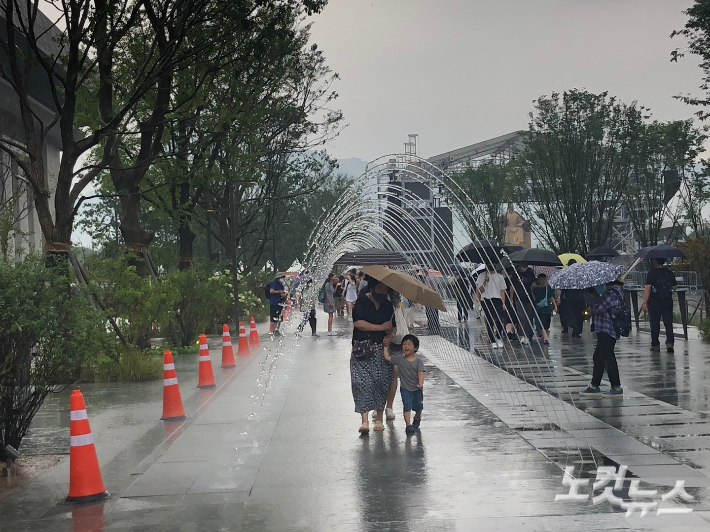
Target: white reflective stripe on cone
[[204, 357], [244, 334], [225, 335], [203, 346], [169, 366], [77, 415], [80, 441], [226, 344], [170, 382]]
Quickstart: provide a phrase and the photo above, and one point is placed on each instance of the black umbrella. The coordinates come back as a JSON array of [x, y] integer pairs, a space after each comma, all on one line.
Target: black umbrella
[[661, 251], [536, 257], [372, 256], [457, 268], [602, 253], [512, 248], [504, 263], [487, 250]]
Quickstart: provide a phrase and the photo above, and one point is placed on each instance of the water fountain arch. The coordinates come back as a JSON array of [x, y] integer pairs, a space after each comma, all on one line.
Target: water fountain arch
[[382, 212]]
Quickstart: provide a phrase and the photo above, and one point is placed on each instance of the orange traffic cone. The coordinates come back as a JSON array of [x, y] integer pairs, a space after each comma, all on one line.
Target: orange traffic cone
[[206, 379], [243, 344], [227, 349], [172, 402], [253, 334], [85, 483]]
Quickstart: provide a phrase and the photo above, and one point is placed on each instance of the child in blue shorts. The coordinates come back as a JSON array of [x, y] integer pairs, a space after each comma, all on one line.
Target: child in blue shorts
[[411, 380]]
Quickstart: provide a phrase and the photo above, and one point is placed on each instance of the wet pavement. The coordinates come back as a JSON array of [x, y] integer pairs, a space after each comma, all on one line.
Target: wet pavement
[[275, 445]]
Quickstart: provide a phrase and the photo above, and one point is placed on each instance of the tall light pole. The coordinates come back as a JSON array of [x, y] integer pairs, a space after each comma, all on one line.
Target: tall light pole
[[233, 240], [273, 242]]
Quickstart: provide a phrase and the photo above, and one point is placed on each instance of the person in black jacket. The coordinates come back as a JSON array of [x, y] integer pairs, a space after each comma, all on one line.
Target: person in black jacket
[[658, 301], [464, 296]]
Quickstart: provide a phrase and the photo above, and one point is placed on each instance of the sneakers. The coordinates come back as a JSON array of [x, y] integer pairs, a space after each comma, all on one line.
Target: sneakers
[[416, 423], [655, 348], [494, 345], [591, 391], [499, 343], [411, 429], [546, 342], [524, 341], [669, 348], [389, 413], [614, 392], [277, 332], [332, 333]]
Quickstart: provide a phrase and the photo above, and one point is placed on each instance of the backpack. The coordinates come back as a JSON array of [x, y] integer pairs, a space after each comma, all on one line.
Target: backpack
[[622, 320], [662, 290], [321, 294], [267, 291]]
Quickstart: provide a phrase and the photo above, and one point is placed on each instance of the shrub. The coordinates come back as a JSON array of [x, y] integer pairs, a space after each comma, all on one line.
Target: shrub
[[704, 329], [202, 304], [47, 333], [131, 365], [140, 305]]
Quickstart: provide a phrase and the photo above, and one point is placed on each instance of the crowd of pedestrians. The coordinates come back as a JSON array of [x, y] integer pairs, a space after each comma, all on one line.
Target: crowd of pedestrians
[[516, 305]]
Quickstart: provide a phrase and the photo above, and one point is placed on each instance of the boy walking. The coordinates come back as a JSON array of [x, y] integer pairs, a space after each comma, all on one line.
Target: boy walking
[[411, 380]]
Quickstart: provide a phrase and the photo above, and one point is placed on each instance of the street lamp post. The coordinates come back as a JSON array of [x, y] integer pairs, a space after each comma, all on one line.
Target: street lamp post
[[232, 238], [273, 243]]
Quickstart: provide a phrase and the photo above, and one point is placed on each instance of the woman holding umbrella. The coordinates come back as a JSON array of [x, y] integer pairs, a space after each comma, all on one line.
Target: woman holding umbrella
[[370, 373], [604, 309]]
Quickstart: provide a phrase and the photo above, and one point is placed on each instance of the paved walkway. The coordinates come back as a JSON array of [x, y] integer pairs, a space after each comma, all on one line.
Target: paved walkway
[[275, 447]]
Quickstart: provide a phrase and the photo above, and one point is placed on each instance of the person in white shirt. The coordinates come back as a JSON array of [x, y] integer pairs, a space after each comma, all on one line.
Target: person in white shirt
[[351, 287], [490, 287]]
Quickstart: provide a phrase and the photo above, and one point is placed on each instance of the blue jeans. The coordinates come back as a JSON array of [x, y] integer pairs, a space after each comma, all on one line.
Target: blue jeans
[[412, 400]]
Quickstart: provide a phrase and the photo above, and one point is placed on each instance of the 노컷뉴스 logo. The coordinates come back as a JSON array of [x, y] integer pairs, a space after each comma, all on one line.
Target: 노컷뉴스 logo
[[638, 500]]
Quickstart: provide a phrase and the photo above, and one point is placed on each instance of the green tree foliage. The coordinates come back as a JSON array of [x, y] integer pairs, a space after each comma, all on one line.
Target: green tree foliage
[[697, 252], [303, 214], [664, 168], [697, 34], [46, 336], [490, 187], [576, 163]]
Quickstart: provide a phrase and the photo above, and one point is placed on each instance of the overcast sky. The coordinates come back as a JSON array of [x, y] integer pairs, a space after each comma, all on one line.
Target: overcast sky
[[459, 72]]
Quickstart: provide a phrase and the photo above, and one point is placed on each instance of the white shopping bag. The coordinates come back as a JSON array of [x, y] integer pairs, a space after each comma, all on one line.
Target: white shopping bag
[[401, 322]]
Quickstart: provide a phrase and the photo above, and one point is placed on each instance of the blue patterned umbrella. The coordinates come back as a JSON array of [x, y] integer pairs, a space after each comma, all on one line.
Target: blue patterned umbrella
[[581, 276]]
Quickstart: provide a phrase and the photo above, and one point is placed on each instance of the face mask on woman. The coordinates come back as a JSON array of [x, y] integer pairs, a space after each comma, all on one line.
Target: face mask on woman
[[379, 297]]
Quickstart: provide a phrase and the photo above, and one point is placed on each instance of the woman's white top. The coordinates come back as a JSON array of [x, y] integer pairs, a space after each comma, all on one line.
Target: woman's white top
[[350, 292]]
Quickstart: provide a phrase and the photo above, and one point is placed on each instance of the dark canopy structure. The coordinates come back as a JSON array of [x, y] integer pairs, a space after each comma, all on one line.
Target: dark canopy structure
[[372, 256]]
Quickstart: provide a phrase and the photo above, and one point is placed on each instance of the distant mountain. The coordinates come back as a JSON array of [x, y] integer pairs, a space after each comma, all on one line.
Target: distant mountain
[[353, 166]]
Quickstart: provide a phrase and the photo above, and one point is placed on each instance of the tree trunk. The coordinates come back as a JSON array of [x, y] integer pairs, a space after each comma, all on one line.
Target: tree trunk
[[185, 252], [186, 237]]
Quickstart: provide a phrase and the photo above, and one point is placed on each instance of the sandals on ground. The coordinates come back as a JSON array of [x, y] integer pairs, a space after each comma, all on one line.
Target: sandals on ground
[[364, 428], [379, 425]]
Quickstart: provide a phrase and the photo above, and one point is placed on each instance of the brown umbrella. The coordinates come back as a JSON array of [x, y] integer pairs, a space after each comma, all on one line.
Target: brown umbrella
[[407, 285]]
